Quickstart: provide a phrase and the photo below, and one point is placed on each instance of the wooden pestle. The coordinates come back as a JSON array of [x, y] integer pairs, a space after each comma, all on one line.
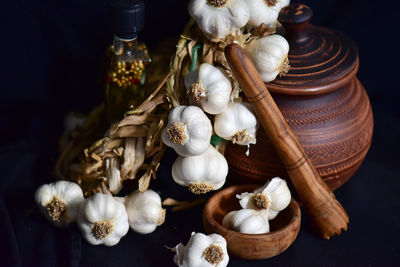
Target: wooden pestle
[[326, 213]]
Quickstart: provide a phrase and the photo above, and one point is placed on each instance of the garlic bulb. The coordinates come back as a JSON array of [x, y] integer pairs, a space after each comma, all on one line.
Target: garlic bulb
[[237, 123], [144, 211], [209, 88], [273, 197], [202, 251], [218, 18], [103, 220], [270, 56], [188, 131], [202, 173], [59, 201], [265, 11], [247, 221]]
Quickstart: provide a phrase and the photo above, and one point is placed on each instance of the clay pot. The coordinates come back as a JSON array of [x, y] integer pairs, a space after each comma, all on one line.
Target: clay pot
[[322, 100], [284, 228]]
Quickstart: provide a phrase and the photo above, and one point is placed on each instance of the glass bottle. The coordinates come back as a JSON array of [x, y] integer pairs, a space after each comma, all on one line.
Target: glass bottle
[[126, 60]]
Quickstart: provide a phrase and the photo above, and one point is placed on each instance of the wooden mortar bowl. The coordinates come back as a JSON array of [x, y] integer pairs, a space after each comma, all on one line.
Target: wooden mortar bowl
[[284, 228]]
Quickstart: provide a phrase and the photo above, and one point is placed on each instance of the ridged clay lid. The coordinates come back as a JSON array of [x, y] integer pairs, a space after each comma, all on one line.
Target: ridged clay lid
[[321, 60]]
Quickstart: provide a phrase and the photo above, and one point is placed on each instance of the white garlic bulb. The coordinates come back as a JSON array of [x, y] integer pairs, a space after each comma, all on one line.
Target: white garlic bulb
[[202, 173], [103, 220], [237, 123], [284, 3], [218, 18], [188, 131], [202, 251], [144, 210], [265, 11], [209, 88], [270, 56], [59, 201], [273, 197], [247, 221]]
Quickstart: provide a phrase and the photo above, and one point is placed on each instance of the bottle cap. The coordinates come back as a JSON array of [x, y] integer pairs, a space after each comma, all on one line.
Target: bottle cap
[[127, 17]]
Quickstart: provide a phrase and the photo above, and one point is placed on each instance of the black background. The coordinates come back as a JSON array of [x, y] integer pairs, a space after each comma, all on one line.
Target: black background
[[50, 53]]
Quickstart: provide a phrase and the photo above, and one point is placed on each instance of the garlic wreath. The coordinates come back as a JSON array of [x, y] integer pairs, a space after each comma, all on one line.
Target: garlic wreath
[[237, 123], [273, 197], [247, 221], [59, 201], [188, 131], [144, 211], [202, 251], [202, 173], [270, 56], [265, 11], [218, 18], [209, 88], [103, 220]]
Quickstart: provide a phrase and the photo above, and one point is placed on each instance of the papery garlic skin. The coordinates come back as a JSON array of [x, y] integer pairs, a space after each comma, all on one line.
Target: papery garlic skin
[[188, 131], [144, 210], [113, 174], [202, 251], [60, 201], [237, 123], [265, 11], [103, 220], [270, 56], [219, 18], [247, 221], [209, 88], [202, 173], [273, 197]]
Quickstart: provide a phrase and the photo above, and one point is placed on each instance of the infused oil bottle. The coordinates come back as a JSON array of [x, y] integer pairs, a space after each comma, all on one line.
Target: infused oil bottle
[[126, 59]]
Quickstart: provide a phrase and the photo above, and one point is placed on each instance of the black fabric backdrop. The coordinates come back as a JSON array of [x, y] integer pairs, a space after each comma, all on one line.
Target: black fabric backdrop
[[50, 53]]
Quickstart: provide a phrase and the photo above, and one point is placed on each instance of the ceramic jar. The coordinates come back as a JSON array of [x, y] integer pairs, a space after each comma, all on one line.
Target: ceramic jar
[[323, 102]]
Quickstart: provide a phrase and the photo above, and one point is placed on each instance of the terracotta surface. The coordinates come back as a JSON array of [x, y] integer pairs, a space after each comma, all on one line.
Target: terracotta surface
[[284, 228], [323, 102]]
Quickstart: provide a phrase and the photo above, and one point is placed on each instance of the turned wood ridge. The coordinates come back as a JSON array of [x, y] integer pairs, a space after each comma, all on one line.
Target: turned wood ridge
[[326, 213]]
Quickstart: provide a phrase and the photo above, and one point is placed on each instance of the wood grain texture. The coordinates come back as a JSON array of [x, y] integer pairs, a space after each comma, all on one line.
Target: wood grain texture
[[326, 213], [323, 102], [284, 228]]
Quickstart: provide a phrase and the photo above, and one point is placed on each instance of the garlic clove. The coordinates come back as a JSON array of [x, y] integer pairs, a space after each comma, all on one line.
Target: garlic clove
[[218, 18], [279, 194], [247, 221], [144, 210], [237, 123], [103, 220], [209, 88], [254, 225], [179, 250], [202, 251], [273, 197], [228, 219], [60, 201], [245, 200], [188, 131], [202, 173], [270, 56], [263, 11]]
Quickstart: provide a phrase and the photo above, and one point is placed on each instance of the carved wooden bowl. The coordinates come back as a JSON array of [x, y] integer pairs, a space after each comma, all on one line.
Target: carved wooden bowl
[[284, 228], [323, 102]]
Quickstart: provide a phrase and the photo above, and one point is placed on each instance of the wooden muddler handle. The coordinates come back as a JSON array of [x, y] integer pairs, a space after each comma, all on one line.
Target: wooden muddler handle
[[326, 213]]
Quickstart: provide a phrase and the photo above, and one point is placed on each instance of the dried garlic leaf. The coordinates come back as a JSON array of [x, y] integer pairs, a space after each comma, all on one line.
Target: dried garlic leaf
[[132, 131], [144, 181]]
